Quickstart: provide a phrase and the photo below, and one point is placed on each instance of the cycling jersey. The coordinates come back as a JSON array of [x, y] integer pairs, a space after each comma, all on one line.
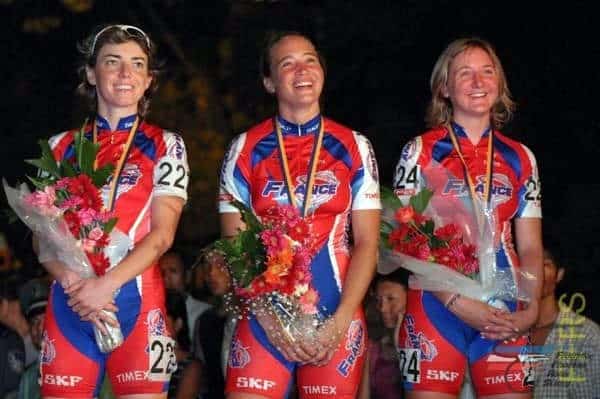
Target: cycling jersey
[[346, 180], [445, 341], [71, 363]]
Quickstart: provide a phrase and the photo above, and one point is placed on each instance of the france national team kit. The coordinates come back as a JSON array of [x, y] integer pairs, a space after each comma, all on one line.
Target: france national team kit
[[435, 344], [71, 363], [346, 180]]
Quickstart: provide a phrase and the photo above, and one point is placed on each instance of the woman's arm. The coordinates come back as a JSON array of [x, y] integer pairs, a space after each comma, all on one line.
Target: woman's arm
[[528, 237], [90, 295], [365, 231]]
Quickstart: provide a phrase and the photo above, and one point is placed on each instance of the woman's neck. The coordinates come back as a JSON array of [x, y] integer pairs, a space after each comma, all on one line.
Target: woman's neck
[[298, 115], [474, 128], [113, 116]]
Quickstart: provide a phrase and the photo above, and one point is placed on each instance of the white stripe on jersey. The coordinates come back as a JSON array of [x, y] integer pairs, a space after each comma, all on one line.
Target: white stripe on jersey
[[228, 184], [367, 196]]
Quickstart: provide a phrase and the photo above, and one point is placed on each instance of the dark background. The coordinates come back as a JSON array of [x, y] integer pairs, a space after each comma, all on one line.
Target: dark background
[[379, 58]]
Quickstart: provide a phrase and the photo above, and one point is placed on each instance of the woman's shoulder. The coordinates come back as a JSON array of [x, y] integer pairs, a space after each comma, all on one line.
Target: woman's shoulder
[[513, 143], [259, 130], [334, 126], [433, 134]]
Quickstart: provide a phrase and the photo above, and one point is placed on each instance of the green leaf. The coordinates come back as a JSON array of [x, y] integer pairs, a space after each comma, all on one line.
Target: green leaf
[[428, 227], [39, 182], [436, 242], [420, 201], [110, 225], [252, 222], [100, 176], [67, 169], [389, 199], [85, 152], [46, 163]]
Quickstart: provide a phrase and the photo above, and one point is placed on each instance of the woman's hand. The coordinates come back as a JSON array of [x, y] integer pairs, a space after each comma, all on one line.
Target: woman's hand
[[100, 319], [522, 321], [67, 277], [327, 340], [89, 296], [483, 317], [291, 347]]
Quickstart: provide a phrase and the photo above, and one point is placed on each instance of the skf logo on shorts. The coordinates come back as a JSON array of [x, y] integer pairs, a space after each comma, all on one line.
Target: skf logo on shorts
[[355, 347], [48, 351], [254, 383], [418, 340], [62, 380], [156, 322], [325, 187], [239, 356], [441, 375]]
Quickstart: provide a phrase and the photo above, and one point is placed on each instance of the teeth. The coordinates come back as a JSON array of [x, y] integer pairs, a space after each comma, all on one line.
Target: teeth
[[302, 84], [124, 87], [478, 95]]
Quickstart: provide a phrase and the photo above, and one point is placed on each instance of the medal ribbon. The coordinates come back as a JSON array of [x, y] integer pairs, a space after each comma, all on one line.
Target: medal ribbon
[[119, 167], [312, 167], [487, 184]]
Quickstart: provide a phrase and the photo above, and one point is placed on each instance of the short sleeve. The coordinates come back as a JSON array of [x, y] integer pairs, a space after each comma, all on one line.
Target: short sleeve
[[234, 182], [171, 171], [365, 182], [530, 194], [407, 176]]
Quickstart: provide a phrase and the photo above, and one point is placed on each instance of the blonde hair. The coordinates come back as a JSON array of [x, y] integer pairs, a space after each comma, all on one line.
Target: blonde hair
[[439, 111]]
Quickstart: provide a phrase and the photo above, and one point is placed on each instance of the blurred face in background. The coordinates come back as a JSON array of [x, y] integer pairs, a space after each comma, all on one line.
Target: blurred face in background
[[171, 267], [390, 298], [217, 278], [36, 323], [552, 275]]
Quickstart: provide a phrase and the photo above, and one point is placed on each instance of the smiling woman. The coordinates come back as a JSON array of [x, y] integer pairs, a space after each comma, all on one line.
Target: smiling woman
[[493, 175], [146, 193], [328, 173]]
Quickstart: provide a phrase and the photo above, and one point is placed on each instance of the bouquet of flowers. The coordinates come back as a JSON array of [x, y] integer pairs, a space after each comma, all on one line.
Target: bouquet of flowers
[[269, 263], [66, 213], [446, 247]]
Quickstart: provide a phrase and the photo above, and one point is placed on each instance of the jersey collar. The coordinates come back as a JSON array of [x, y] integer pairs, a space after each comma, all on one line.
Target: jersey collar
[[304, 129], [125, 123], [460, 131]]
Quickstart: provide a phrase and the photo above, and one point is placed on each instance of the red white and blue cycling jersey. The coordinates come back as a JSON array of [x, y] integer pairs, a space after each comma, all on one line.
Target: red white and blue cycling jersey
[[346, 181], [71, 363], [445, 341]]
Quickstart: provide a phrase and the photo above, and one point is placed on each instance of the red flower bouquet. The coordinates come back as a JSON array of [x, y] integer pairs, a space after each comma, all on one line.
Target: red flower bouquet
[[269, 263], [66, 213], [416, 235], [446, 249]]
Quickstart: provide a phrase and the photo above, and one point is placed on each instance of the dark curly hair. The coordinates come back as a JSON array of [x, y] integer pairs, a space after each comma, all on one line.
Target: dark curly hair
[[116, 34]]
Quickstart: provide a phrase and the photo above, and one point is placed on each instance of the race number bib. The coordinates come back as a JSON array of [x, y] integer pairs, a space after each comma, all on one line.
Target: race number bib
[[410, 364], [162, 358]]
